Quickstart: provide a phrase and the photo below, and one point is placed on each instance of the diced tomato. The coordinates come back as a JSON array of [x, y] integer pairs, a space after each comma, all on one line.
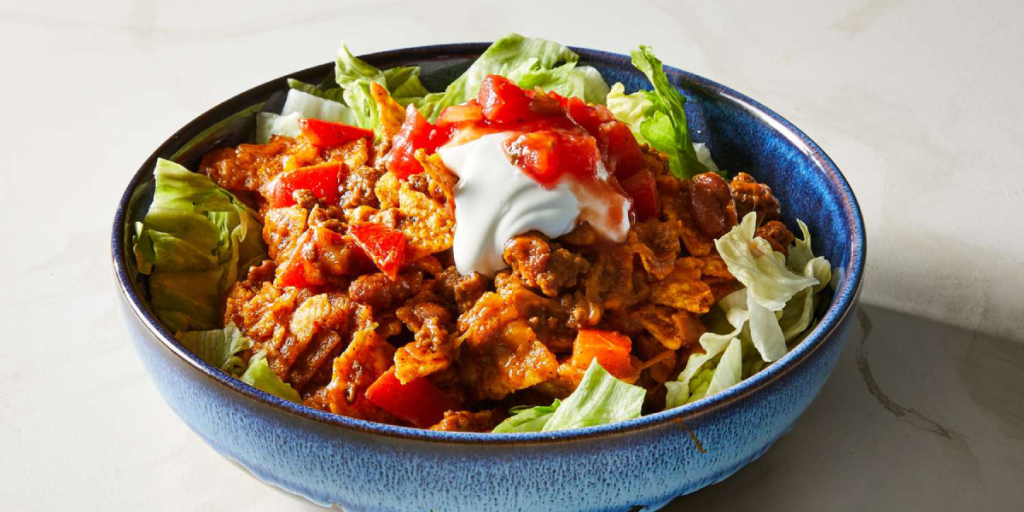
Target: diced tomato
[[292, 273], [562, 100], [322, 180], [321, 245], [416, 133], [467, 112], [326, 134], [611, 349], [623, 155], [296, 270], [418, 402], [642, 188], [503, 101], [548, 154], [590, 117], [385, 246]]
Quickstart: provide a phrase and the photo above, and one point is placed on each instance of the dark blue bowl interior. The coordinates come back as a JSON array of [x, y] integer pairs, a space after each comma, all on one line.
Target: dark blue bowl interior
[[742, 135]]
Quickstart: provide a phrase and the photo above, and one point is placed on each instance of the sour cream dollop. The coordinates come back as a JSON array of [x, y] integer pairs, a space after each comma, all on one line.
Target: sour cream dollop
[[495, 201]]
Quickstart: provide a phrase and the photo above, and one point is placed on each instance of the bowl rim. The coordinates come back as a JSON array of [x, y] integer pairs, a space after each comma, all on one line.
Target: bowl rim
[[843, 303]]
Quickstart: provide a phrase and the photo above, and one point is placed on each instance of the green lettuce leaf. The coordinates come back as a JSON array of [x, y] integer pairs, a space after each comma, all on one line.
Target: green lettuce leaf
[[753, 262], [404, 82], [301, 103], [594, 88], [260, 376], [348, 69], [219, 347], [765, 331], [268, 125], [316, 107], [600, 399], [529, 62], [568, 80], [332, 94], [729, 371], [355, 76], [193, 243], [528, 419], [799, 311], [632, 109], [364, 108], [629, 108], [664, 126], [512, 56], [760, 334], [680, 391]]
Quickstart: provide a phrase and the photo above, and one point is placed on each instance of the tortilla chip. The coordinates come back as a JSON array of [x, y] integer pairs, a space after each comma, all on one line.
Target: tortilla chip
[[683, 288], [390, 114], [715, 269], [672, 328], [386, 190], [428, 226]]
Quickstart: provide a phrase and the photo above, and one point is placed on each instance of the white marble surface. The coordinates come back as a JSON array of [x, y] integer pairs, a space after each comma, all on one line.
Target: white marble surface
[[917, 102]]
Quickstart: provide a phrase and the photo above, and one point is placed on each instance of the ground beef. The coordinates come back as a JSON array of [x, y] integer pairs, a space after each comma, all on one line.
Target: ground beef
[[380, 292], [756, 197], [777, 234], [359, 188], [542, 266], [466, 421]]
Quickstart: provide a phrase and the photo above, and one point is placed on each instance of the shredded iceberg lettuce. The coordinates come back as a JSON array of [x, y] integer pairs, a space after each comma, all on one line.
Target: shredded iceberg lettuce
[[629, 108], [260, 376], [404, 82], [335, 94], [664, 125], [729, 370], [530, 62], [775, 306], [753, 262], [219, 347], [528, 419], [599, 399], [268, 125], [193, 243], [316, 107]]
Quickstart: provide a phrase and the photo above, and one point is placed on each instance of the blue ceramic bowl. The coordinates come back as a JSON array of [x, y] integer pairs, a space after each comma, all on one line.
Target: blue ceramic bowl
[[637, 465]]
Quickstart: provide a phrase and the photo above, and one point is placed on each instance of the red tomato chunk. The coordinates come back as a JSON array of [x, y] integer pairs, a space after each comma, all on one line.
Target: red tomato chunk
[[546, 155], [327, 134], [416, 134], [322, 180], [419, 402], [385, 246], [611, 349]]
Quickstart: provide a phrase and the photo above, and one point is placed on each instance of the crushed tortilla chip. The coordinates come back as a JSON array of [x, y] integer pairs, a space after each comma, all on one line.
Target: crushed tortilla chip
[[720, 289], [390, 114], [428, 226], [386, 190], [440, 180], [354, 154], [677, 210], [683, 288], [715, 269], [695, 243], [672, 328]]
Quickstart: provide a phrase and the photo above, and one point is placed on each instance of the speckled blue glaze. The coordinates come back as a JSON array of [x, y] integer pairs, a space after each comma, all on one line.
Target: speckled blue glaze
[[637, 465]]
